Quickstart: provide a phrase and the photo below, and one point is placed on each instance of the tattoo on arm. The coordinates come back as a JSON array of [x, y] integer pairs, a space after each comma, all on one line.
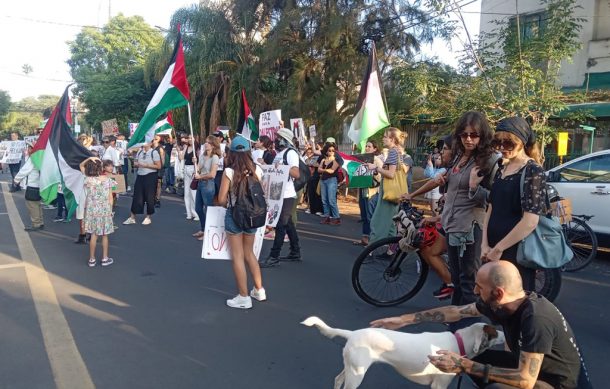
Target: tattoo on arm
[[534, 367], [457, 363], [429, 316], [469, 311]]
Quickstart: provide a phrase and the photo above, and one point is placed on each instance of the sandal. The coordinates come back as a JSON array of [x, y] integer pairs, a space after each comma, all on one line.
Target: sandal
[[198, 234], [92, 262], [360, 243]]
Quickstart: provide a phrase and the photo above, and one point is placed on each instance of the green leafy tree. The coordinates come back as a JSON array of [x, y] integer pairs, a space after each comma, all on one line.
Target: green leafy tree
[[25, 115], [108, 66]]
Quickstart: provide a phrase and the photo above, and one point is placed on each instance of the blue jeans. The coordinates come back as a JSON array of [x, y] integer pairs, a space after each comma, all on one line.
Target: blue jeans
[[328, 189], [365, 210], [169, 178], [126, 172], [204, 198]]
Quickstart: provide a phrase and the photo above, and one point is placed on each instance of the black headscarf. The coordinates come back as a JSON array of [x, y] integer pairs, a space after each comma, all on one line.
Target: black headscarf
[[518, 127]]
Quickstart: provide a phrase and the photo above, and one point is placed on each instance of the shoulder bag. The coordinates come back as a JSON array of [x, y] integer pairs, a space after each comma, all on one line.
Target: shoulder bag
[[393, 188], [546, 246]]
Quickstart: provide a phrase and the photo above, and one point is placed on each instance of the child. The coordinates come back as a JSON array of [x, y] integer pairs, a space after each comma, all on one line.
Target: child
[[98, 208], [434, 169]]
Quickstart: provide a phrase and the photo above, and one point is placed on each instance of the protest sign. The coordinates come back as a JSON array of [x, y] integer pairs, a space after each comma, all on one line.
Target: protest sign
[[215, 242], [11, 151], [298, 129], [118, 184], [110, 127], [132, 128], [359, 175], [274, 179], [269, 123], [312, 131], [30, 139]]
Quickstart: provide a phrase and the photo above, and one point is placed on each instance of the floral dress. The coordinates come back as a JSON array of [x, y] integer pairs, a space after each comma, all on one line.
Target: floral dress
[[98, 209]]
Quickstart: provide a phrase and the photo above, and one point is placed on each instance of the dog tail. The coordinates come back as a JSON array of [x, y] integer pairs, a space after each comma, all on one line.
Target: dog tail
[[324, 328]]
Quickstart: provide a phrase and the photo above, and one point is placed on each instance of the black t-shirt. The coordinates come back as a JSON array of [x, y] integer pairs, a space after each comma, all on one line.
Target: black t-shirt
[[538, 327]]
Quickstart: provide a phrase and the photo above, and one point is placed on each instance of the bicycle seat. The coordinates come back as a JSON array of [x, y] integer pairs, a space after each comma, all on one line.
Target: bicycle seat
[[584, 217]]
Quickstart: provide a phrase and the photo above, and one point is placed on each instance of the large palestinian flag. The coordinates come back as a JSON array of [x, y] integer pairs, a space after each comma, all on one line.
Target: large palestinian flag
[[58, 156], [246, 124], [371, 115], [173, 92]]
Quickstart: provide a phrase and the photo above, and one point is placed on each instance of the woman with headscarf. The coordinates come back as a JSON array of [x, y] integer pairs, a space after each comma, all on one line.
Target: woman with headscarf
[[513, 212]]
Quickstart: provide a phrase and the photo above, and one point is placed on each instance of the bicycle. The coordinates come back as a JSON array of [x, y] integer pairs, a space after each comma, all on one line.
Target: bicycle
[[385, 275], [582, 240]]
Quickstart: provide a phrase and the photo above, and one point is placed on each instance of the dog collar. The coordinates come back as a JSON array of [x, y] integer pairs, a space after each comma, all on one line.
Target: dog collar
[[460, 343]]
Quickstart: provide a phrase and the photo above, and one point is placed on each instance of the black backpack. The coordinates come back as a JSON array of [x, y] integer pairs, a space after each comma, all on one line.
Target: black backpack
[[304, 172], [250, 208]]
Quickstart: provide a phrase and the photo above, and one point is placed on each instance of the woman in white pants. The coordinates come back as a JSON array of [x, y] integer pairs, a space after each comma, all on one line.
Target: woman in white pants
[[188, 155]]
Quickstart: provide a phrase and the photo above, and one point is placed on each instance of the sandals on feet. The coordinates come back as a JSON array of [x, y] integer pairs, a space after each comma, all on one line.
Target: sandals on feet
[[359, 243], [92, 262]]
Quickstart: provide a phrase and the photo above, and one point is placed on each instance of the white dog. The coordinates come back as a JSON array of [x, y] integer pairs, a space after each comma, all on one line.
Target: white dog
[[407, 353]]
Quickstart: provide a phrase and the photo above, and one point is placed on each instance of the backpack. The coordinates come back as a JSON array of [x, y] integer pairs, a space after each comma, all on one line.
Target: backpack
[[304, 173], [250, 208]]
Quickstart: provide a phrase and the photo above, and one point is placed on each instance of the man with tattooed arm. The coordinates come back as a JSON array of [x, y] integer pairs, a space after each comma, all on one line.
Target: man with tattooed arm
[[543, 352]]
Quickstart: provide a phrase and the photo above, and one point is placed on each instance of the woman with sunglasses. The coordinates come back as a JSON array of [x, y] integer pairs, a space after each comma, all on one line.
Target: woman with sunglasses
[[328, 170], [206, 173], [511, 217]]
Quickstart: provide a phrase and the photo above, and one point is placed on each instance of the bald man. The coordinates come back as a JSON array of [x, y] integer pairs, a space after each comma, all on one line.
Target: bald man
[[543, 352]]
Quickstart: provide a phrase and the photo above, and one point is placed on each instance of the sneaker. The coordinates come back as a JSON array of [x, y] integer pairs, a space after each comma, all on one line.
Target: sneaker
[[269, 262], [258, 294], [58, 219], [49, 206], [167, 190], [320, 214], [128, 188], [307, 211], [146, 221], [286, 238], [130, 220], [444, 292], [291, 257], [107, 261], [241, 302], [196, 219], [269, 236], [92, 262]]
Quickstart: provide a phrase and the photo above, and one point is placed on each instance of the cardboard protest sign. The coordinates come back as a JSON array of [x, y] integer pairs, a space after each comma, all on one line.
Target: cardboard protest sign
[[11, 151], [274, 179], [298, 129], [215, 242], [110, 127], [119, 183], [269, 123]]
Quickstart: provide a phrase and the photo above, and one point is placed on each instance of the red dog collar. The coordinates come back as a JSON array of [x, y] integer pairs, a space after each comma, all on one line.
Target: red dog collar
[[460, 343]]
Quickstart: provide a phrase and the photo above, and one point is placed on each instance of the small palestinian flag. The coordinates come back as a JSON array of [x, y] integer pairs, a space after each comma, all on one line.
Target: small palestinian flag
[[359, 176], [173, 92], [246, 124], [371, 115], [57, 156]]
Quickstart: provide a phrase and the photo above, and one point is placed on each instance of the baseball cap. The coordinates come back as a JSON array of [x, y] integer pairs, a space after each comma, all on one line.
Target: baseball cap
[[219, 134], [240, 144], [286, 134], [330, 139]]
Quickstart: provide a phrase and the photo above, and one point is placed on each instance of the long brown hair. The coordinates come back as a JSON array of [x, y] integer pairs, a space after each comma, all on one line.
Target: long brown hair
[[211, 139], [478, 122], [242, 165]]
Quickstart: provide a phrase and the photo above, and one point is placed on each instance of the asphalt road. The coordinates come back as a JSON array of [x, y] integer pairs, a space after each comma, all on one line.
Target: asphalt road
[[157, 317]]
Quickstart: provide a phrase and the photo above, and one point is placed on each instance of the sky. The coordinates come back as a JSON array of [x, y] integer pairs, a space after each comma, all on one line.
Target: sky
[[35, 33]]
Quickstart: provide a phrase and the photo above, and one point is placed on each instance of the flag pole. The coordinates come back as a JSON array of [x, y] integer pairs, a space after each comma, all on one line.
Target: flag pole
[[188, 106]]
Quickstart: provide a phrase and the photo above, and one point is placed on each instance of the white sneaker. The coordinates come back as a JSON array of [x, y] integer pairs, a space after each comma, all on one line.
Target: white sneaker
[[196, 219], [258, 294], [146, 221], [241, 302], [129, 221], [128, 188]]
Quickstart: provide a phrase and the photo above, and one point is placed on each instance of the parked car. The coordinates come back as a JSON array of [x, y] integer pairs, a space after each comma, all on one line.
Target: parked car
[[586, 182]]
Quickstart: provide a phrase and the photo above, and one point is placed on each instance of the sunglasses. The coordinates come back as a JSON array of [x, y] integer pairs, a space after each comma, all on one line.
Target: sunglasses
[[471, 135], [106, 141], [504, 144], [331, 151]]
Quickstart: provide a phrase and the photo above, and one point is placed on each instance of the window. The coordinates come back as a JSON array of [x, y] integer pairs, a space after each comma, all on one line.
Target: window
[[531, 25], [595, 169]]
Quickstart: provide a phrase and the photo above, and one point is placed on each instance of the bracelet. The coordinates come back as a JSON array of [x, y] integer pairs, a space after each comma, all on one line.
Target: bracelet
[[486, 373]]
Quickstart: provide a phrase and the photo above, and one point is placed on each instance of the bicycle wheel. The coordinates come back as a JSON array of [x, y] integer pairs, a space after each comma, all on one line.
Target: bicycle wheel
[[383, 275], [548, 283], [583, 242]]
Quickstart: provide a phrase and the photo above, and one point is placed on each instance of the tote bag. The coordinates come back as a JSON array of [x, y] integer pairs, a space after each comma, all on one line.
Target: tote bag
[[393, 188], [546, 246]]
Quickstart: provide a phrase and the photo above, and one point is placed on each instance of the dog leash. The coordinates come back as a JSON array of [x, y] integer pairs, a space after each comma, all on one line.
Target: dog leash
[[460, 342]]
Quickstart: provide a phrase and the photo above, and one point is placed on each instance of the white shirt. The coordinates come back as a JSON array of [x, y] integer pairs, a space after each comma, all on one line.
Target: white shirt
[[257, 154], [111, 154], [293, 161]]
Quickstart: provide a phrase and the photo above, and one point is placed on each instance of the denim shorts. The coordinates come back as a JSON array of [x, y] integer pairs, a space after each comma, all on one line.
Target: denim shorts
[[234, 229]]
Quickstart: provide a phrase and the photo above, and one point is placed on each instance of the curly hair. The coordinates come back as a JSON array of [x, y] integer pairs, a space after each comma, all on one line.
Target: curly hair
[[93, 168], [477, 122]]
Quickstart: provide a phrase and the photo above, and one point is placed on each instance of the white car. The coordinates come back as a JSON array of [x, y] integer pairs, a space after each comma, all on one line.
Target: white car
[[586, 182]]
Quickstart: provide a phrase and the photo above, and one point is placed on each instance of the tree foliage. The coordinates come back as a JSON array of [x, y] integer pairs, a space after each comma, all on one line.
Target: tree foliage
[[108, 67], [24, 116]]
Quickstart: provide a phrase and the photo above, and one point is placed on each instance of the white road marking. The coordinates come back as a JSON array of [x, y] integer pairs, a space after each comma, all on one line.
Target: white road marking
[[69, 369]]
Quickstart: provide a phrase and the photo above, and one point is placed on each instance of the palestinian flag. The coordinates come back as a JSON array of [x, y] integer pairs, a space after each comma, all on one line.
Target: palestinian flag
[[371, 115], [173, 92], [246, 124], [57, 156], [163, 127], [358, 175]]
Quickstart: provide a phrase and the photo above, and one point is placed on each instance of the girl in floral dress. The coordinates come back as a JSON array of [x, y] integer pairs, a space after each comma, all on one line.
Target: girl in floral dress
[[98, 208]]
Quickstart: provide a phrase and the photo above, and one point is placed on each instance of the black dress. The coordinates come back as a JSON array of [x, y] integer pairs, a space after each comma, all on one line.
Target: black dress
[[508, 208]]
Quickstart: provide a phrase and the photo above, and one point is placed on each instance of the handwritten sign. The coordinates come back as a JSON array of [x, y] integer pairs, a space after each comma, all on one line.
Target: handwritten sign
[[110, 127], [274, 179], [11, 151], [216, 242], [269, 123], [298, 129]]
